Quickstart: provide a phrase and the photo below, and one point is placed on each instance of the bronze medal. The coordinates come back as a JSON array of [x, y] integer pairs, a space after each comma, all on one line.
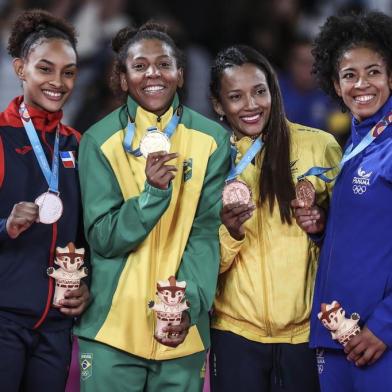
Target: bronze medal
[[154, 141], [236, 192], [304, 191]]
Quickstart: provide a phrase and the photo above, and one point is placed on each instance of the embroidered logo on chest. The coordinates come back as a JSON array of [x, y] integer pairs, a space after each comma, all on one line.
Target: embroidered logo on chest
[[362, 182], [86, 365], [187, 169]]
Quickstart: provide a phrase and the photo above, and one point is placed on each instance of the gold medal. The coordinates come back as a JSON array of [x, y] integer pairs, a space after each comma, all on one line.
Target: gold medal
[[236, 192], [154, 141], [304, 191]]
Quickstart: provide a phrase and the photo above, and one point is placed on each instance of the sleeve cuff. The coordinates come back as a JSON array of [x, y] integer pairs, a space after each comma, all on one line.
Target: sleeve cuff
[[317, 238], [382, 329], [228, 241], [3, 230], [156, 191]]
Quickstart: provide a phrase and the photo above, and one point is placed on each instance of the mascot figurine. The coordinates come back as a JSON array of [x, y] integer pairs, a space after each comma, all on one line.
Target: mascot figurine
[[68, 275], [343, 329], [172, 303]]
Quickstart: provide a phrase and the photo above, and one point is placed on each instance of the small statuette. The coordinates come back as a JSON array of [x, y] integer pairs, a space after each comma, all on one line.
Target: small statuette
[[343, 329], [154, 141], [50, 207], [172, 303], [304, 191], [68, 276], [236, 192]]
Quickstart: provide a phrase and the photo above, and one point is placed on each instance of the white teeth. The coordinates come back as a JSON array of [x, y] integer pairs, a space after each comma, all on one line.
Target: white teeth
[[251, 118], [364, 98], [151, 89], [52, 94]]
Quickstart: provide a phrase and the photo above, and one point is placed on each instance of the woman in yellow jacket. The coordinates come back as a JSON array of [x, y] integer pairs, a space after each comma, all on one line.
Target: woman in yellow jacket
[[262, 308]]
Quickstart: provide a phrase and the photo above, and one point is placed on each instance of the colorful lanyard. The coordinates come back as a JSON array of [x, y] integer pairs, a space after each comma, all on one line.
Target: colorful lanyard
[[236, 170], [351, 152], [51, 175], [168, 131]]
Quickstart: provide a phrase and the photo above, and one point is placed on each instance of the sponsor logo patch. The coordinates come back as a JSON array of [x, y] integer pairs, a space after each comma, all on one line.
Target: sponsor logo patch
[[320, 360], [68, 159], [187, 169], [86, 366], [361, 182]]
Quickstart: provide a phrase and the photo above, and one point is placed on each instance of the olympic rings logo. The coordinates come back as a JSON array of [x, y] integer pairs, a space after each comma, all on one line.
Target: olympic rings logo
[[359, 189]]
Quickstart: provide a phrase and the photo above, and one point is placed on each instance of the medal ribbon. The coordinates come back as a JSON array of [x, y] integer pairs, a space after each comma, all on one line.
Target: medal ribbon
[[168, 131], [351, 152], [51, 175], [236, 170]]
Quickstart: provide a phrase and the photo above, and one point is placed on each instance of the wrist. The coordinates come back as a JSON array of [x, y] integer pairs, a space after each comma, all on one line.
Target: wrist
[[236, 235], [11, 233]]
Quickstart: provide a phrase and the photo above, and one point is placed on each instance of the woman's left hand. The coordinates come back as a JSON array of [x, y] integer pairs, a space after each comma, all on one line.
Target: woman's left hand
[[76, 301], [310, 220], [365, 348], [176, 333]]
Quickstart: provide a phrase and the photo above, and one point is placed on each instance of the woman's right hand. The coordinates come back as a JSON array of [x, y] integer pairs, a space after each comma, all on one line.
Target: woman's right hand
[[158, 174], [22, 216], [310, 220], [234, 216]]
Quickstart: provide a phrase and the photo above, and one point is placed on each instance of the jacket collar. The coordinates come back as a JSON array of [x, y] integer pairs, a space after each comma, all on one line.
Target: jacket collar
[[360, 129], [135, 110], [42, 120]]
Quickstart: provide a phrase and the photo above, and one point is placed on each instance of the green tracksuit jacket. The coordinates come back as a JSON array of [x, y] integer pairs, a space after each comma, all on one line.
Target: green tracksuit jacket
[[139, 234]]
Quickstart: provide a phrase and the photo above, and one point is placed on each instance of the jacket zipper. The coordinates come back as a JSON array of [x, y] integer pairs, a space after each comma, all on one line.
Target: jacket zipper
[[155, 268], [325, 281], [264, 281]]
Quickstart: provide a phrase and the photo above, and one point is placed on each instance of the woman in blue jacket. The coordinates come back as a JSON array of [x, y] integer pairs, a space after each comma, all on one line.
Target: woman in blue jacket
[[353, 63]]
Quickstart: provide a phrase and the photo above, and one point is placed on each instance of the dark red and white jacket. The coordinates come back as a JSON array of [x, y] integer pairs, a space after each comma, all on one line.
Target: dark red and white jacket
[[25, 289]]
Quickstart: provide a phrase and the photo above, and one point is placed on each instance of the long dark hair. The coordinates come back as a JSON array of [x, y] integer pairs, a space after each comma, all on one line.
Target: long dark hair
[[275, 177]]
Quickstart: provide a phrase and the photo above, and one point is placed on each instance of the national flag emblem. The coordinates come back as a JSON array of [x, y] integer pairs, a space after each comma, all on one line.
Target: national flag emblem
[[68, 159]]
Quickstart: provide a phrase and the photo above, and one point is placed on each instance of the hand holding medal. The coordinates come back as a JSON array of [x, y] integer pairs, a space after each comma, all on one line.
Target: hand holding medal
[[237, 196], [234, 216], [22, 216], [158, 173], [309, 216]]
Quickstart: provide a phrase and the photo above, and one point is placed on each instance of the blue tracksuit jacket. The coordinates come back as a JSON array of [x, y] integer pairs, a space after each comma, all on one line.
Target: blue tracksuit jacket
[[355, 266]]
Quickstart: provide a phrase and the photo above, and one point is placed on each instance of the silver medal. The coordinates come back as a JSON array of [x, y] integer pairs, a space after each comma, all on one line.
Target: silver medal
[[50, 207]]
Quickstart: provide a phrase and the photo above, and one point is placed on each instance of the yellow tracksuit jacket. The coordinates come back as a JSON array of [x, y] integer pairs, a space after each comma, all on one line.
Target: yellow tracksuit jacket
[[266, 280]]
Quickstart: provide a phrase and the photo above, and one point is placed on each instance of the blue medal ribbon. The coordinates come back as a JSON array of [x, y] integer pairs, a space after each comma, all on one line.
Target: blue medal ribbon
[[168, 131], [51, 175], [351, 152], [252, 151]]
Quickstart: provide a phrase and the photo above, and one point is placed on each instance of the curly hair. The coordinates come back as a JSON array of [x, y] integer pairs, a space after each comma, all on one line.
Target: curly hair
[[33, 26], [341, 33], [275, 178], [127, 37]]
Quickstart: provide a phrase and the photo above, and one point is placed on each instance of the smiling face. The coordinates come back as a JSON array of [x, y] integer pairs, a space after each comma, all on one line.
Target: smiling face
[[364, 82], [152, 76], [244, 99], [48, 74]]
